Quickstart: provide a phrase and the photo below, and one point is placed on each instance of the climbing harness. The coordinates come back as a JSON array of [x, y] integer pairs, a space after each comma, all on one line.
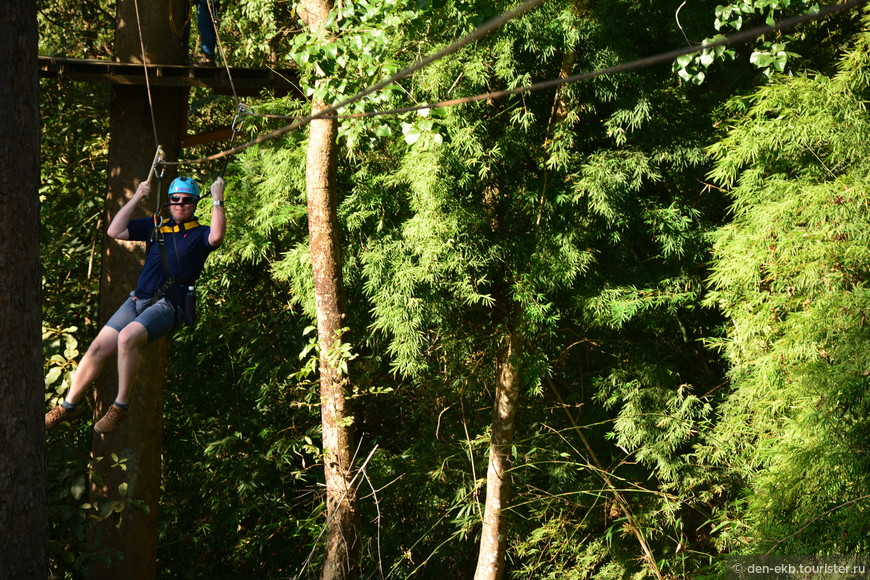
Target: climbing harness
[[179, 227], [169, 281], [178, 185]]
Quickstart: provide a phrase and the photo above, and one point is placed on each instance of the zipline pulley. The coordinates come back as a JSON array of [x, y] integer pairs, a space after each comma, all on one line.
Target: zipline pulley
[[159, 156], [242, 110]]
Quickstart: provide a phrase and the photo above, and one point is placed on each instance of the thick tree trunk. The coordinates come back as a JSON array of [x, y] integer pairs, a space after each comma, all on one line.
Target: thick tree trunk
[[23, 501], [137, 442], [491, 557], [342, 535]]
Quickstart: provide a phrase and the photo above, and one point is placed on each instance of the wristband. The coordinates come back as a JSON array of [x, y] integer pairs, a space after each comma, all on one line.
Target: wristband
[[219, 202]]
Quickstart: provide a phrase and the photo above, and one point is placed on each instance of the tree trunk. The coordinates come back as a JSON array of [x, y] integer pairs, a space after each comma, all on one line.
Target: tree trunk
[[137, 442], [342, 524], [23, 501], [342, 534], [491, 557]]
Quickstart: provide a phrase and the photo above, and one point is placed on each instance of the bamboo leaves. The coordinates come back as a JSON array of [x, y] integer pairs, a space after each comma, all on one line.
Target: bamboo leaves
[[790, 273]]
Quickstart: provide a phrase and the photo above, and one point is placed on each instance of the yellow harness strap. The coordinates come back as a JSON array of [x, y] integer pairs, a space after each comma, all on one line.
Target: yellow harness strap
[[177, 228]]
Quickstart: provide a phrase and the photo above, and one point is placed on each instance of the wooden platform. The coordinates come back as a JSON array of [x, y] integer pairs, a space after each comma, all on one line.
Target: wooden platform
[[247, 81]]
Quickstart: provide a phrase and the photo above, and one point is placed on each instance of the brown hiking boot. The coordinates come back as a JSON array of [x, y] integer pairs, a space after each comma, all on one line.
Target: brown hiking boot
[[60, 415], [110, 420]]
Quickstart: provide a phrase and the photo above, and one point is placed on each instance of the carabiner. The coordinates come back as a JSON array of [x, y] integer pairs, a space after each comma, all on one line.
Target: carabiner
[[243, 109]]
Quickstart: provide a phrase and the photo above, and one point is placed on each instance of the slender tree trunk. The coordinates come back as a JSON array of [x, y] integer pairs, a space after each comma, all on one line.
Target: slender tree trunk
[[342, 535], [491, 557], [137, 443], [23, 501], [342, 553]]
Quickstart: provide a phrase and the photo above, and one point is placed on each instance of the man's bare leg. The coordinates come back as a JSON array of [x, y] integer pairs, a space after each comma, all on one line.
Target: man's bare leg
[[130, 341], [91, 365]]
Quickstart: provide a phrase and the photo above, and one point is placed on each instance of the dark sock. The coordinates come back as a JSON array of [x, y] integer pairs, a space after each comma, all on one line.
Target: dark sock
[[120, 406], [70, 407]]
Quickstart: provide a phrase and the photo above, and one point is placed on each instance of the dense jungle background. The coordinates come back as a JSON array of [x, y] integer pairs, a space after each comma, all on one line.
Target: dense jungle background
[[677, 254]]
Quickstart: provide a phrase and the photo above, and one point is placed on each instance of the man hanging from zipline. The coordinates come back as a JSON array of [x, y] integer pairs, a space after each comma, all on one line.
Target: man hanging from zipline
[[175, 254]]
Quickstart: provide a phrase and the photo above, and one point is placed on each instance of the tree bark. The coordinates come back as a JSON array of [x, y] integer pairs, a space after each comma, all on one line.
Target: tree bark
[[23, 500], [491, 557], [342, 550], [137, 442], [342, 526]]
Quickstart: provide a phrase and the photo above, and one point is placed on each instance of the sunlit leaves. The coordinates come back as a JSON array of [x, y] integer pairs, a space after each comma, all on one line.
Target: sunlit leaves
[[790, 274], [769, 57], [60, 350], [772, 57], [357, 53], [693, 67]]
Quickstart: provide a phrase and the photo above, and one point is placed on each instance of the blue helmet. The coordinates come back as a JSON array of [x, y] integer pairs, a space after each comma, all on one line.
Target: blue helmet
[[184, 185]]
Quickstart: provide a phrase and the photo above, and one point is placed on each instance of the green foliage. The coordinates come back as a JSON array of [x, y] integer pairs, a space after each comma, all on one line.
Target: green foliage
[[75, 29], [75, 547], [251, 32], [655, 418], [577, 217], [768, 55], [693, 67], [499, 223], [60, 350], [240, 459], [356, 48], [790, 274], [74, 150]]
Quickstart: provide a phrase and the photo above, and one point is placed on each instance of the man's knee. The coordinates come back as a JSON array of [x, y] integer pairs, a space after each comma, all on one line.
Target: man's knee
[[132, 337], [104, 345]]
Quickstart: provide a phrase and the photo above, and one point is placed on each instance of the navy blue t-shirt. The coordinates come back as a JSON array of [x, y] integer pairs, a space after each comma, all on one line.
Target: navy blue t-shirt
[[186, 250]]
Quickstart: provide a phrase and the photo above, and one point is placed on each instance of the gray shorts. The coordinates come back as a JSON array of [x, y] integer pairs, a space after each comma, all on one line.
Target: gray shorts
[[159, 318]]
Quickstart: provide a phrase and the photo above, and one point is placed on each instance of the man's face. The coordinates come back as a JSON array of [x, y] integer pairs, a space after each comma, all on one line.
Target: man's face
[[181, 206]]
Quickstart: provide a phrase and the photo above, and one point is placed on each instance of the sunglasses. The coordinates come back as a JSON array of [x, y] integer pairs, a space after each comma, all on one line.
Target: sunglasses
[[181, 199]]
